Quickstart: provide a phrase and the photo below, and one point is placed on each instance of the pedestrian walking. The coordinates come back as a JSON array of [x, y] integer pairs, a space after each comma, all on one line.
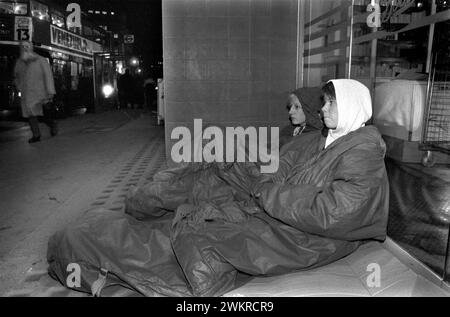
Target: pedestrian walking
[[33, 78]]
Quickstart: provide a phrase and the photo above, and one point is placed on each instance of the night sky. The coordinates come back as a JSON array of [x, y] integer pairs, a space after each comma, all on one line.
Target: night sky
[[144, 20]]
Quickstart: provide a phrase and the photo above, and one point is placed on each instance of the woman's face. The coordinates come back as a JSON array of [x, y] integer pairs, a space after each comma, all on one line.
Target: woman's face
[[296, 114], [330, 112]]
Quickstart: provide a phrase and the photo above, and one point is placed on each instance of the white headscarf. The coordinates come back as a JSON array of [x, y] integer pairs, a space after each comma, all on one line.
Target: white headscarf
[[354, 106]]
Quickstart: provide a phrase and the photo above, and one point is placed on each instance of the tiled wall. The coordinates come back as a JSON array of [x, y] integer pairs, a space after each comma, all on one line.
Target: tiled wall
[[228, 62]]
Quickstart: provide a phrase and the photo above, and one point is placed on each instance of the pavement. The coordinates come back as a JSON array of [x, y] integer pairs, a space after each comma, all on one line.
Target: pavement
[[45, 186]]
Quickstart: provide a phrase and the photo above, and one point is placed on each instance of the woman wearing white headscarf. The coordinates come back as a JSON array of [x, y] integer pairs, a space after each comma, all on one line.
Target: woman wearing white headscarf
[[351, 113], [344, 185]]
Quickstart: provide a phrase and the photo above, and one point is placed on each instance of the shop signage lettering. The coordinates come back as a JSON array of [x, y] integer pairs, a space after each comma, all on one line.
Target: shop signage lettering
[[74, 18], [66, 39], [392, 8]]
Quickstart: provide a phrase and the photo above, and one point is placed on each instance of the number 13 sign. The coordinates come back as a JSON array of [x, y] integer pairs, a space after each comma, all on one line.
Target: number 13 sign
[[23, 29]]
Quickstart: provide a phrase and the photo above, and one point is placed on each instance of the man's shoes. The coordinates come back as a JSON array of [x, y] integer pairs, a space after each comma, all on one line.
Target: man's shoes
[[34, 139]]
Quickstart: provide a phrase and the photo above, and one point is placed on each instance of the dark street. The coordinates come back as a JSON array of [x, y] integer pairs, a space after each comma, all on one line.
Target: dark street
[[91, 164]]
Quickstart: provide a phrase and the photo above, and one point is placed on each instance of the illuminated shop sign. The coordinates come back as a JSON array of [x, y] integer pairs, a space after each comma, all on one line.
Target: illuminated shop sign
[[69, 40]]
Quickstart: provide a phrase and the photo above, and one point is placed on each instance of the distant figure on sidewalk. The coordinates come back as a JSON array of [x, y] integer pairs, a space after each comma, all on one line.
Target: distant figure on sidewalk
[[150, 93], [125, 86], [137, 91], [33, 77]]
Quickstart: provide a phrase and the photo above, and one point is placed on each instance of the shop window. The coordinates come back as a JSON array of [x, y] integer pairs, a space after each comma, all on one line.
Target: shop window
[[39, 11], [404, 61], [58, 73], [87, 71], [383, 58], [73, 69], [6, 87], [9, 7], [326, 41], [5, 65], [74, 75]]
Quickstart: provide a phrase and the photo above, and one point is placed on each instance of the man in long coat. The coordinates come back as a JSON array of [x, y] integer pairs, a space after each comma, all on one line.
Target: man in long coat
[[34, 80]]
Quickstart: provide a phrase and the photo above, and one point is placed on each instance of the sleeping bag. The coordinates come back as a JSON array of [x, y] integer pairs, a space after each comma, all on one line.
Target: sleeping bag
[[318, 207]]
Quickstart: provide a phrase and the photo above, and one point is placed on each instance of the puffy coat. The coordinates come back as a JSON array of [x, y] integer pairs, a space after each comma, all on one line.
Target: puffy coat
[[34, 79], [315, 211]]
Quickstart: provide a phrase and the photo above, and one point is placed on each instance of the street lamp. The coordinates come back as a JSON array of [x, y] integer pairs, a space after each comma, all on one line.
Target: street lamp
[[108, 90], [134, 61]]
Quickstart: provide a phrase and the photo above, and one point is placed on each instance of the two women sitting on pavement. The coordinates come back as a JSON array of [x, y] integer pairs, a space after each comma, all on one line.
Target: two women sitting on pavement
[[205, 229]]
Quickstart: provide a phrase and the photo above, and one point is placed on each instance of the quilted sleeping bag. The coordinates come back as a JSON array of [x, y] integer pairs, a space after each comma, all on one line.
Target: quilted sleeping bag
[[202, 230]]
